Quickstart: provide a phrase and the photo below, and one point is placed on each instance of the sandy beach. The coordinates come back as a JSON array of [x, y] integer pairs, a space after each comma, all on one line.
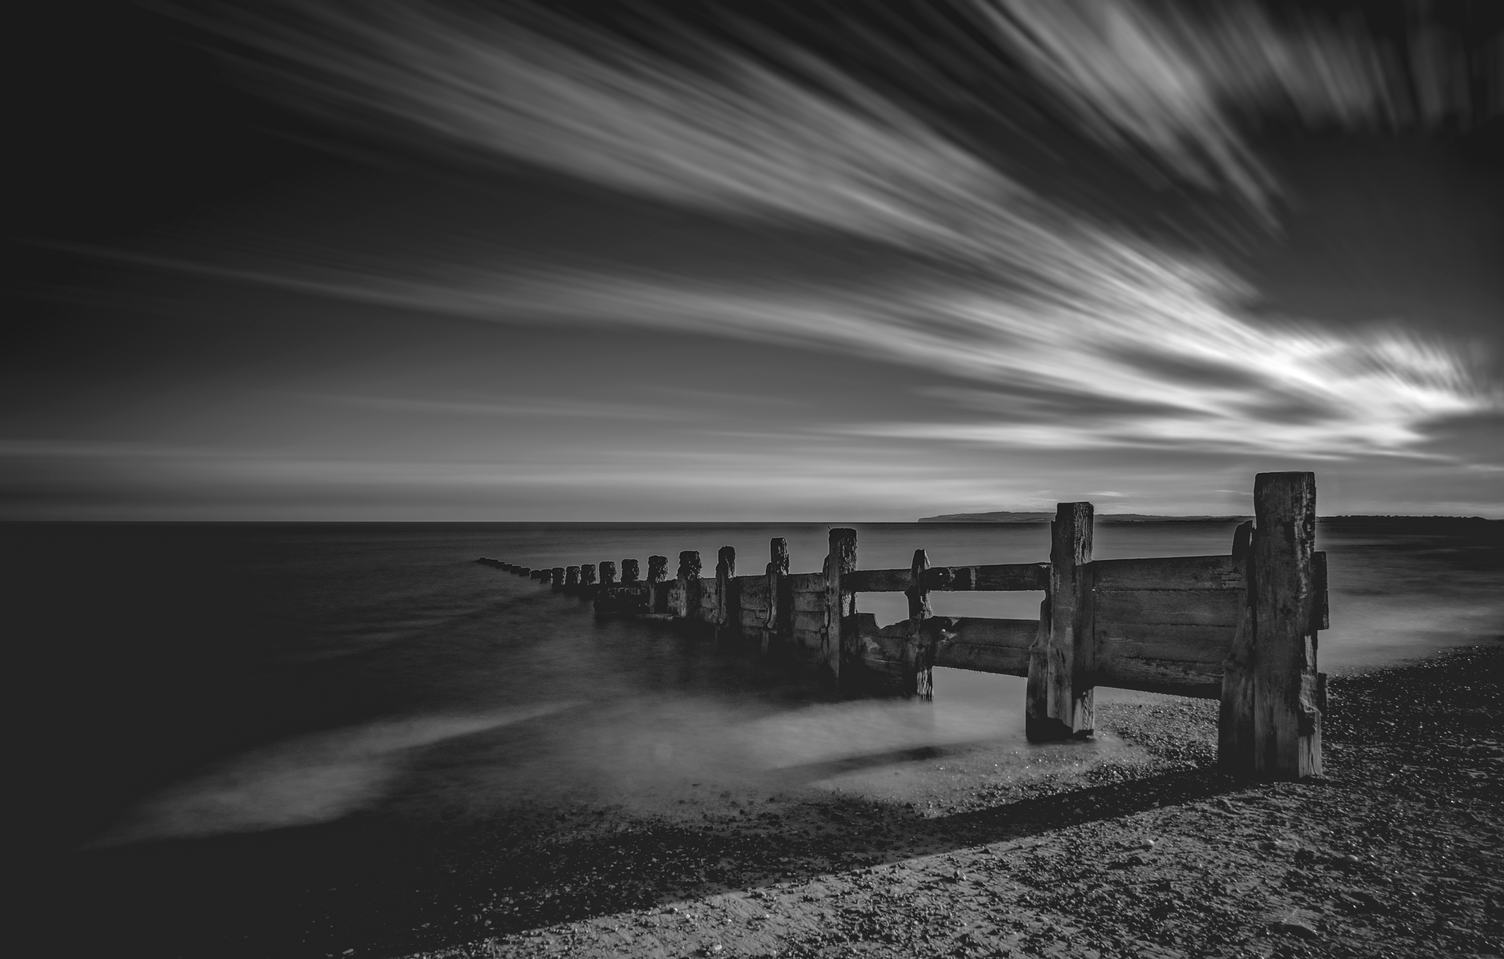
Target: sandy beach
[[1145, 851], [1398, 851], [1140, 849]]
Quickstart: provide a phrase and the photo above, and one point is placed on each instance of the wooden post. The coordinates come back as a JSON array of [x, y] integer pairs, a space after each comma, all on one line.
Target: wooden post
[[608, 575], [1235, 716], [522, 571], [657, 592], [571, 578], [587, 578], [689, 585], [727, 611], [919, 652], [558, 577], [837, 637], [1059, 702], [1286, 717], [780, 604], [629, 571]]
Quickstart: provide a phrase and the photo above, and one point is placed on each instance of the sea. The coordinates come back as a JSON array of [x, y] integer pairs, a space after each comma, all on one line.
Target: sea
[[181, 684]]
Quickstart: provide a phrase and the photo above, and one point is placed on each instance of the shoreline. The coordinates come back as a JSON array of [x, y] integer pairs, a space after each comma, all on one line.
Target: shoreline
[[1397, 851], [1135, 845]]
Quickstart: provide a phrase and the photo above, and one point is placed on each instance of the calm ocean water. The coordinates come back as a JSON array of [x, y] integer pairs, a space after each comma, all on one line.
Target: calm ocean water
[[187, 681]]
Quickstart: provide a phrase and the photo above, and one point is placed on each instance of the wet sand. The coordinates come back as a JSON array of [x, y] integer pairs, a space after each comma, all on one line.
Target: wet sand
[[1135, 845]]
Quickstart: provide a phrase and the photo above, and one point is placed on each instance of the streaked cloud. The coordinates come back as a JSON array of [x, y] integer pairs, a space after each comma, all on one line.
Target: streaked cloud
[[1189, 83], [1018, 317], [1010, 290]]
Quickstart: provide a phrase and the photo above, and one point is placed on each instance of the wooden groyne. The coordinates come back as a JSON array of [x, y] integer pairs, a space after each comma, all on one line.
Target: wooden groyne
[[1239, 627]]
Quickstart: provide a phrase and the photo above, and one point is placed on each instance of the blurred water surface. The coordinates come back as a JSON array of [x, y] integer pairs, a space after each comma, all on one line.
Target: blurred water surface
[[183, 681]]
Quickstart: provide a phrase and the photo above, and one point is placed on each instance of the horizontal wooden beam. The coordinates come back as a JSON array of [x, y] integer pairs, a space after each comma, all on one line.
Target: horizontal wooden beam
[[807, 582], [1181, 607], [986, 645], [1172, 572], [1201, 680], [1184, 642], [1001, 576]]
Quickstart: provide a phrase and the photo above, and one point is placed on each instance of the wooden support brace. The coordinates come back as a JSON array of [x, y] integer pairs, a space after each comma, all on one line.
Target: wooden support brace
[[688, 585], [728, 611], [919, 650], [780, 600], [657, 591], [1235, 716], [836, 646], [1059, 704], [1286, 688]]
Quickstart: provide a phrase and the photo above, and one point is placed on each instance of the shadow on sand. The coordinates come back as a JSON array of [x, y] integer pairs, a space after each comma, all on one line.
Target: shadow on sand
[[380, 884]]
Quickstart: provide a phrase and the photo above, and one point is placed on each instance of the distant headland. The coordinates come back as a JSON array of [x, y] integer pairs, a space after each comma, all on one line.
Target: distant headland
[[1024, 517]]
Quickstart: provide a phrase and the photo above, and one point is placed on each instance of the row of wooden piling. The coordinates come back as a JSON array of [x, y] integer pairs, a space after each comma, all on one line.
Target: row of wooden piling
[[1239, 627]]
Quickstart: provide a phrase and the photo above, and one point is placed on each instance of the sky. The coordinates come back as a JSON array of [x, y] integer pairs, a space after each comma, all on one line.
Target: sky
[[809, 261]]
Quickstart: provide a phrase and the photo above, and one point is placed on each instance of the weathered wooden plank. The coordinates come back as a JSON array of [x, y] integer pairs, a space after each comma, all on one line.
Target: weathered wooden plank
[[995, 577], [1235, 714], [999, 577], [918, 650], [1059, 704], [809, 602], [1172, 572], [754, 589], [1178, 642], [877, 580], [686, 598], [725, 589], [807, 582], [986, 645], [657, 568], [840, 645], [777, 626], [761, 607], [1286, 718], [1205, 607], [630, 599], [1201, 680]]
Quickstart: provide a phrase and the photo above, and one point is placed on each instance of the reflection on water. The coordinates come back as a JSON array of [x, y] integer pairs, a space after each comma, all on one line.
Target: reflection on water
[[237, 678]]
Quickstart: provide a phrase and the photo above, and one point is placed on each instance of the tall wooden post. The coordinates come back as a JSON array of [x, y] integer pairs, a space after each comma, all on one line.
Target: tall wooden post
[[1286, 608], [587, 578], [1235, 716], [1059, 704], [657, 591], [688, 585], [919, 652], [608, 575], [780, 602], [630, 570], [727, 611], [837, 640], [558, 577], [571, 578]]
